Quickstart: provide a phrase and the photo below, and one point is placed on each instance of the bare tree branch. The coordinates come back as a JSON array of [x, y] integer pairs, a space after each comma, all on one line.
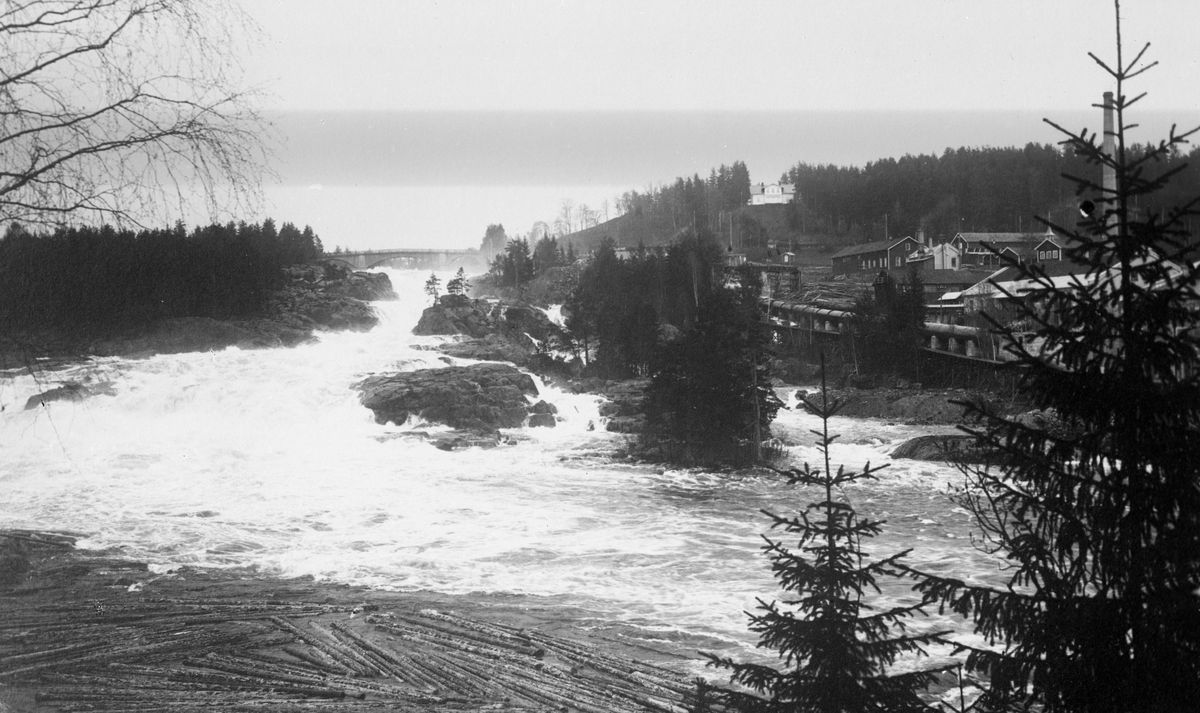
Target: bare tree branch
[[129, 111]]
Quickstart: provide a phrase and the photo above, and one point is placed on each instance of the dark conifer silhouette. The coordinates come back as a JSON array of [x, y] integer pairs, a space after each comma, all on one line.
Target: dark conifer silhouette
[[459, 284], [1098, 509], [836, 649], [433, 286], [89, 279], [710, 398]]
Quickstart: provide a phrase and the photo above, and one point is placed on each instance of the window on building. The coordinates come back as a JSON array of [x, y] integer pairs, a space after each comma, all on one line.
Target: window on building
[[953, 262], [897, 261]]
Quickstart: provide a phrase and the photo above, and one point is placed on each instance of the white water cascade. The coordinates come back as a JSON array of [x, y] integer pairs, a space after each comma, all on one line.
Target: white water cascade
[[266, 459]]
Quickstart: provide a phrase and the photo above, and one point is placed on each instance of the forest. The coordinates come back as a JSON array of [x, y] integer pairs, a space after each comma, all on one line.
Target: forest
[[89, 279], [971, 189], [966, 189]]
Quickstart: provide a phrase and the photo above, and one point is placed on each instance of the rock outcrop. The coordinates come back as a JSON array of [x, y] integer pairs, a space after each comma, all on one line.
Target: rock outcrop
[[329, 296], [340, 280], [911, 405], [493, 347], [68, 391], [953, 449], [479, 398], [493, 330], [541, 415], [623, 410]]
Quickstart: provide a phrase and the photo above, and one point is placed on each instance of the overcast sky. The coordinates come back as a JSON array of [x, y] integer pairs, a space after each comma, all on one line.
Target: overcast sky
[[714, 55], [381, 102]]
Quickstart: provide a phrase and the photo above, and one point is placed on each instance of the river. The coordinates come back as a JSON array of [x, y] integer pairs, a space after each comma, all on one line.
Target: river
[[266, 459]]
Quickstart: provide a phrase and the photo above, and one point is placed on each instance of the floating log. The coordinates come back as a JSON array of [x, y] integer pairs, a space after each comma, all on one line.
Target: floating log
[[87, 644]]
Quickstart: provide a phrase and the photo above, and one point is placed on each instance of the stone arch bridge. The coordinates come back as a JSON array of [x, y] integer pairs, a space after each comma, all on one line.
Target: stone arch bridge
[[409, 258]]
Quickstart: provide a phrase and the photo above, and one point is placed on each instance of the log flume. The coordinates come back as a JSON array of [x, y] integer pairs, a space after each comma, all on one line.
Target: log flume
[[85, 632]]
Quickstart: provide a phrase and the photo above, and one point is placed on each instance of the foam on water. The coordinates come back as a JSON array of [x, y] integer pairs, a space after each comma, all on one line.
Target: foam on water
[[265, 458]]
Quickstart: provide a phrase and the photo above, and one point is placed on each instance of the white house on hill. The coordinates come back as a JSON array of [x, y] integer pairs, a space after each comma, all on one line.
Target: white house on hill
[[764, 193]]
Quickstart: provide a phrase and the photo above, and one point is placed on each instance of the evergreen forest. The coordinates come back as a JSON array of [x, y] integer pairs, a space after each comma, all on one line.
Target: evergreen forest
[[967, 189], [89, 279]]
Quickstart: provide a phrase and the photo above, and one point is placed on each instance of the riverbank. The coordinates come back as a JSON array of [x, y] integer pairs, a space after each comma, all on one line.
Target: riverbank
[[87, 630], [917, 406], [313, 298]]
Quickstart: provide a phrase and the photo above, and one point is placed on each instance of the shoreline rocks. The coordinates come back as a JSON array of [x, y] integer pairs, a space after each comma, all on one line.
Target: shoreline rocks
[[912, 405], [490, 331], [947, 449], [624, 406], [68, 391], [479, 398]]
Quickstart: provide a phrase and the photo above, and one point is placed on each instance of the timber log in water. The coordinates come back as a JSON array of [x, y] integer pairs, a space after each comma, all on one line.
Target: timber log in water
[[90, 632]]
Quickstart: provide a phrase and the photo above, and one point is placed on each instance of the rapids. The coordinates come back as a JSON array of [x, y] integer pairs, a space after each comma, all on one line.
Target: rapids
[[266, 459]]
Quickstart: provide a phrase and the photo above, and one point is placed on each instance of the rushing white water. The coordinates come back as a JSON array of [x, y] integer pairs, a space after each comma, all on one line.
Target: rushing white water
[[266, 459]]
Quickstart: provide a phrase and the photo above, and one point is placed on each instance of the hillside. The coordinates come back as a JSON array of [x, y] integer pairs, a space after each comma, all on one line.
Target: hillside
[[753, 226]]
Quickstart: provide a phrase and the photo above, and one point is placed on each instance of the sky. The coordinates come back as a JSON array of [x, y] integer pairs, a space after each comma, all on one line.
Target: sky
[[531, 102]]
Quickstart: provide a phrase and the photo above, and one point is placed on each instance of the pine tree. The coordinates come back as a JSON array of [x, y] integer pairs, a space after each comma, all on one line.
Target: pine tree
[[432, 285], [1097, 509], [835, 648]]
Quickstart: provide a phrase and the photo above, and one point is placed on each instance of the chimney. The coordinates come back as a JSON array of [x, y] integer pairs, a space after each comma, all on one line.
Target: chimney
[[921, 234], [1110, 174]]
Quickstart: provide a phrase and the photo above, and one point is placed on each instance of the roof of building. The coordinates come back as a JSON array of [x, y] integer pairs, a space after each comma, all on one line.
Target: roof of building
[[942, 277], [1012, 279], [1004, 238], [760, 188], [871, 247]]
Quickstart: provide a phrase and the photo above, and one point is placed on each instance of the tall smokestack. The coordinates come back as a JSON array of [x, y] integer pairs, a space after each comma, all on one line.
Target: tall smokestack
[[1110, 139]]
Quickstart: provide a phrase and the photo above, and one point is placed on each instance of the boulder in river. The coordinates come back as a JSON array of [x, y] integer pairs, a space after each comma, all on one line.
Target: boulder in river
[[493, 347], [480, 397], [950, 448], [541, 420], [68, 391]]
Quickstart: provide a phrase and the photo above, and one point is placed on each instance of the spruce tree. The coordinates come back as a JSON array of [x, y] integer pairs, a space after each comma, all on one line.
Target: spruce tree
[[458, 285], [1097, 508], [836, 649], [432, 286]]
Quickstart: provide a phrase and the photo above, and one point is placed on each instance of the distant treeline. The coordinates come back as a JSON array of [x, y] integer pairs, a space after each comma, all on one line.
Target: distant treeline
[[517, 264], [965, 189], [694, 202], [92, 278]]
